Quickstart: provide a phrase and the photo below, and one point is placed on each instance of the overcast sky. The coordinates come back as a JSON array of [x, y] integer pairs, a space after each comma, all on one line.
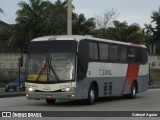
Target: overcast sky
[[129, 10]]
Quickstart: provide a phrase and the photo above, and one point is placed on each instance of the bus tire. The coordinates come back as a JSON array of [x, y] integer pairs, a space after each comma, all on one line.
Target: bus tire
[[91, 95], [50, 101], [133, 93]]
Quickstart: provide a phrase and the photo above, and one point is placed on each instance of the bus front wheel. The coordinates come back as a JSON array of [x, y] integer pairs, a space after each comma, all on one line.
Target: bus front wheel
[[91, 95], [50, 101]]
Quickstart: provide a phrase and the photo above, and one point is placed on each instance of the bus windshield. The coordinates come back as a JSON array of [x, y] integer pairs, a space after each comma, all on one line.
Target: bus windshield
[[51, 67]]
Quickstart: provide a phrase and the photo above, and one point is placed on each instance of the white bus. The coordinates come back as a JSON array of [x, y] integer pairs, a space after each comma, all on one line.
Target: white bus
[[82, 67]]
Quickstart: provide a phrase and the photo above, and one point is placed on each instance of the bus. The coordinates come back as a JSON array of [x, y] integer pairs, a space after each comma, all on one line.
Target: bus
[[73, 67]]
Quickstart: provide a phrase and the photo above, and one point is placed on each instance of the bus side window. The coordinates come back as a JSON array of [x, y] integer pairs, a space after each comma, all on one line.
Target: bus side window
[[131, 54], [144, 56], [93, 51], [122, 53], [138, 55], [103, 51], [113, 53]]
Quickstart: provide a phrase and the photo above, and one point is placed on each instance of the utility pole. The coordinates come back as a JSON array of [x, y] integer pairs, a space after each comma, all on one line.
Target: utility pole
[[69, 18]]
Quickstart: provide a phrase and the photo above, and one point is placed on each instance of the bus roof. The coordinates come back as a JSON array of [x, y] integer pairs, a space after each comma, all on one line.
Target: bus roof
[[79, 38]]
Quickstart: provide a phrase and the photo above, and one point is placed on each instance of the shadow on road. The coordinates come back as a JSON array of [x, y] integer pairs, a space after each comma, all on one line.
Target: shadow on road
[[63, 103]]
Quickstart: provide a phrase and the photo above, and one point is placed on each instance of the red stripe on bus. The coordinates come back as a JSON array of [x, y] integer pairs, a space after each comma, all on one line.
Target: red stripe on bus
[[132, 74]]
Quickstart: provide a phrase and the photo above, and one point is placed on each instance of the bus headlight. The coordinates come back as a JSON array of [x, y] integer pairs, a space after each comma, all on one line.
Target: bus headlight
[[30, 89], [67, 89]]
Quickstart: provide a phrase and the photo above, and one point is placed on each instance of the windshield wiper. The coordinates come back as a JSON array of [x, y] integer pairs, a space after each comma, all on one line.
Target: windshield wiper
[[50, 67], [43, 68]]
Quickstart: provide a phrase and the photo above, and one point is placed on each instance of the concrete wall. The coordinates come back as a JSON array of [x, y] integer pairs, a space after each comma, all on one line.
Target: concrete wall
[[9, 66], [154, 62], [9, 60]]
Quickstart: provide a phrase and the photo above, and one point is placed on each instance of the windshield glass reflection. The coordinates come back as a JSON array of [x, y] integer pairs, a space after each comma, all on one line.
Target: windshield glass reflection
[[51, 67]]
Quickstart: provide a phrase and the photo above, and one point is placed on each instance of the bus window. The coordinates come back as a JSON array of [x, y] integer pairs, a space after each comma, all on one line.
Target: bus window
[[113, 52], [122, 53], [93, 51], [138, 55], [145, 56], [103, 51], [131, 54]]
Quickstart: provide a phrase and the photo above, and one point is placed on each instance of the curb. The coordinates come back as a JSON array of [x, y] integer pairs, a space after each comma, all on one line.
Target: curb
[[13, 94], [153, 86]]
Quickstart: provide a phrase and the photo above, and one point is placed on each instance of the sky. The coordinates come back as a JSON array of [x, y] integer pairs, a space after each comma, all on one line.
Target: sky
[[131, 11]]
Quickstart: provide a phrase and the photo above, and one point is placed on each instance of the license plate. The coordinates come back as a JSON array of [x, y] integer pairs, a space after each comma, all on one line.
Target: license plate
[[48, 96]]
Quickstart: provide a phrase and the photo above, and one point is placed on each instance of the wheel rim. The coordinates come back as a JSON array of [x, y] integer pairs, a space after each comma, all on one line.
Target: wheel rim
[[133, 91], [92, 95]]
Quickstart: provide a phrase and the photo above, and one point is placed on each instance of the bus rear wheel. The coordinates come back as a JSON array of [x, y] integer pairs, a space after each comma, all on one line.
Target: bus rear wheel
[[133, 92], [91, 95], [50, 101]]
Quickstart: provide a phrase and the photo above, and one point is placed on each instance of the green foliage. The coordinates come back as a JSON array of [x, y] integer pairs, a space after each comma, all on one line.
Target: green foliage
[[56, 19], [41, 18], [156, 31], [18, 37], [153, 33], [30, 22], [4, 35], [82, 26], [122, 32]]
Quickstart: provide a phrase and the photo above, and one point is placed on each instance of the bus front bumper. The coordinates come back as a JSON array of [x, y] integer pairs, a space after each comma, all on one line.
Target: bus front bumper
[[50, 95]]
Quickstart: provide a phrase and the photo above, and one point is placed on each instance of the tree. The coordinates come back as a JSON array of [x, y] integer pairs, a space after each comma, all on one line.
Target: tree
[[127, 33], [104, 20], [38, 18], [82, 26], [32, 16], [154, 32], [30, 22], [56, 18], [18, 38], [150, 42], [122, 32], [41, 18]]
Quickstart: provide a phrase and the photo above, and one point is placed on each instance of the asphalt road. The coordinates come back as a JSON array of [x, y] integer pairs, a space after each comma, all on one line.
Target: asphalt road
[[147, 101], [2, 90]]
